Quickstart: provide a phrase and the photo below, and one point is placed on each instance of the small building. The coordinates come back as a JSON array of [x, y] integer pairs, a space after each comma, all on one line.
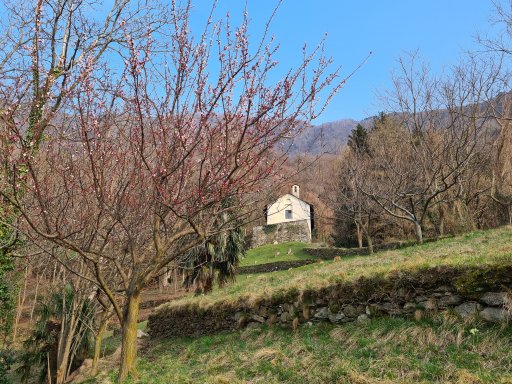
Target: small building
[[290, 207], [289, 218]]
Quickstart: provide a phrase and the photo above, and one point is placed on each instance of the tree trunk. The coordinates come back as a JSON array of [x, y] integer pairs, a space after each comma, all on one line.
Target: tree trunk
[[418, 232], [161, 282], [22, 294], [370, 244], [65, 345], [359, 236], [441, 221], [129, 336], [98, 339], [34, 302]]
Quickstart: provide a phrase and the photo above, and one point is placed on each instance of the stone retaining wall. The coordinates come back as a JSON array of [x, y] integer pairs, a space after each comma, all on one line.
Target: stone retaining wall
[[275, 266], [330, 253], [281, 233], [479, 292]]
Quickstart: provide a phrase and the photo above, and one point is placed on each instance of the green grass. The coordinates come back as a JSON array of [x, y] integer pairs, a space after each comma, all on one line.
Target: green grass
[[472, 249], [267, 253], [385, 350], [111, 342]]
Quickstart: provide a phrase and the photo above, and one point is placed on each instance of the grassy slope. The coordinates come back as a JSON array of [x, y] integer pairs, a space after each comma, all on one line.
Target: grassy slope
[[384, 350], [483, 247], [267, 253]]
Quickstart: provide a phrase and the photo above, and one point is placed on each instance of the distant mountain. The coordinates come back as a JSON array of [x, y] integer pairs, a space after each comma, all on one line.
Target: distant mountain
[[332, 136], [325, 138]]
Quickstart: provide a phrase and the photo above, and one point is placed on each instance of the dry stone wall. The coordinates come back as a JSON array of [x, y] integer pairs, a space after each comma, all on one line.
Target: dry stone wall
[[469, 292], [331, 252], [281, 233], [275, 266]]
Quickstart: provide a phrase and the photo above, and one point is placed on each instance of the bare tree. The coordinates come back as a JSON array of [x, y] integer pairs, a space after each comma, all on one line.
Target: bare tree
[[345, 193], [422, 152], [43, 49], [143, 165], [44, 45], [501, 152]]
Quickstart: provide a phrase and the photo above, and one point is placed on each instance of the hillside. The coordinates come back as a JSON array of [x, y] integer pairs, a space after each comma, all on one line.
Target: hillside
[[324, 138], [382, 351], [438, 348], [493, 247]]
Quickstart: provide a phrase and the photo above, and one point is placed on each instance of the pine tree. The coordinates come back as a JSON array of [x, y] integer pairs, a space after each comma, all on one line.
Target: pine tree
[[358, 139]]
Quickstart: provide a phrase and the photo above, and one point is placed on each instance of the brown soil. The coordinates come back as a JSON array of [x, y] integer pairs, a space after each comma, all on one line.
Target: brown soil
[[151, 298]]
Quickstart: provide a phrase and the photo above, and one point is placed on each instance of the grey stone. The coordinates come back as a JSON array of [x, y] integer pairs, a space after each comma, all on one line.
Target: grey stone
[[449, 301], [390, 308], [259, 319], [322, 313], [283, 232], [467, 309], [141, 334], [409, 307], [285, 317], [494, 299], [402, 293], [420, 299], [349, 311], [495, 315], [253, 325], [336, 318], [363, 318]]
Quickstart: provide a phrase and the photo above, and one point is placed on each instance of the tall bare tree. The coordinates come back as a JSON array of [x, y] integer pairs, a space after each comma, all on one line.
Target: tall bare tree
[[422, 152]]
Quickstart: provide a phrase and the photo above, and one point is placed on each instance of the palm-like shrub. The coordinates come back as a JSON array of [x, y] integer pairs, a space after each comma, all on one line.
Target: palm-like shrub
[[61, 336], [216, 259]]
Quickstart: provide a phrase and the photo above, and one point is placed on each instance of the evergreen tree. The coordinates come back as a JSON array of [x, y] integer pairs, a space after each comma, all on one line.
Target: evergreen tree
[[379, 121], [358, 139]]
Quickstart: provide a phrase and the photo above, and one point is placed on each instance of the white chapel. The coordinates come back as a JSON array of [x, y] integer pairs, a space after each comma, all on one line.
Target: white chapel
[[290, 207]]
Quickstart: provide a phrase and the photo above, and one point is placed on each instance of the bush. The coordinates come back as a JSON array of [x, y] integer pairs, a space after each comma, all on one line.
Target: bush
[[269, 228], [6, 361]]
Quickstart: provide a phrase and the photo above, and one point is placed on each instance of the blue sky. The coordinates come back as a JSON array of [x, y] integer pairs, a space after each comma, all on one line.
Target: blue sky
[[440, 30]]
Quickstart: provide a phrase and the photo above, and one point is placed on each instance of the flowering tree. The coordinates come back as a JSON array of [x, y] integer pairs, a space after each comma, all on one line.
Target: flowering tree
[[139, 168], [43, 49]]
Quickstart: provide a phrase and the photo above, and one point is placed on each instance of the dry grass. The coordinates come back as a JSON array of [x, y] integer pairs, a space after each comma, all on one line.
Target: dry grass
[[385, 350], [476, 248]]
